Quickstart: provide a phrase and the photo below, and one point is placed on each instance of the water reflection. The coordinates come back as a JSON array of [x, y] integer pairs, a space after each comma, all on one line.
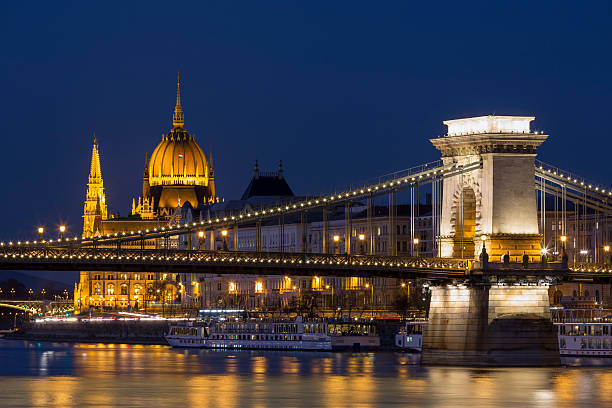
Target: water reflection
[[62, 375]]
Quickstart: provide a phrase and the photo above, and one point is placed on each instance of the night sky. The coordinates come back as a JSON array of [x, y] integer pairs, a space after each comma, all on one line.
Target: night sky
[[340, 91]]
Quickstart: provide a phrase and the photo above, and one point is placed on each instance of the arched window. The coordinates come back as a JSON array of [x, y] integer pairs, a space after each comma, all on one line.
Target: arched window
[[97, 289], [110, 289], [586, 294], [137, 289], [124, 289]]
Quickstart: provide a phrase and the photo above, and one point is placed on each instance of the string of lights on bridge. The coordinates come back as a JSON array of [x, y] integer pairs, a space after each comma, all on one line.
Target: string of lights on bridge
[[578, 182], [405, 181]]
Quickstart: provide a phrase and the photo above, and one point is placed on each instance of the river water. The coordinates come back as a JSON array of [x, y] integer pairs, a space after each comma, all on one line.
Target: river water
[[99, 375]]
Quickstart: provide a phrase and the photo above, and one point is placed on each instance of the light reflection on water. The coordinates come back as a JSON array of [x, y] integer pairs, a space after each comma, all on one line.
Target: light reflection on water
[[84, 375]]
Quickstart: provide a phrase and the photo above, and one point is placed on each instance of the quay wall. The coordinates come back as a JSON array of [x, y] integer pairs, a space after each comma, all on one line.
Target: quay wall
[[133, 332]]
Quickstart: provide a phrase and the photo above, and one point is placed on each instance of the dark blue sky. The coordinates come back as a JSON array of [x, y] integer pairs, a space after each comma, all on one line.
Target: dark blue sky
[[341, 91]]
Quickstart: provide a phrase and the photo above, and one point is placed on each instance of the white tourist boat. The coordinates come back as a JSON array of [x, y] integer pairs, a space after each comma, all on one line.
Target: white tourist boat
[[290, 334], [410, 336], [585, 339], [263, 334], [584, 332]]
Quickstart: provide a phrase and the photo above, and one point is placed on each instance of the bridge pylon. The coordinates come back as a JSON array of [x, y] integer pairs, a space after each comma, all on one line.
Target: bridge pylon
[[497, 200]]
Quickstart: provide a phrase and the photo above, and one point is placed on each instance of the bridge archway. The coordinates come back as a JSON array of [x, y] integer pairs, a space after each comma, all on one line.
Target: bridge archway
[[465, 223]]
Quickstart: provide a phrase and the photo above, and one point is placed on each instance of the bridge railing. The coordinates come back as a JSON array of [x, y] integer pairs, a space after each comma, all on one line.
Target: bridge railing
[[84, 256], [591, 268]]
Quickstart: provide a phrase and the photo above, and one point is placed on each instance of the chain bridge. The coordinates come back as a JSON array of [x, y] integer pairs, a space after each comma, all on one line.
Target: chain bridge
[[486, 188]]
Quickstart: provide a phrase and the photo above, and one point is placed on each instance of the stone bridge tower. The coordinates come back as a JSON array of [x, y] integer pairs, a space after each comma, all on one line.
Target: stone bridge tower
[[498, 199]]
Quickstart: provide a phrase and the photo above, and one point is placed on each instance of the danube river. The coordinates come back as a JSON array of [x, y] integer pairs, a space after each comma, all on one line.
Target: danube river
[[96, 375]]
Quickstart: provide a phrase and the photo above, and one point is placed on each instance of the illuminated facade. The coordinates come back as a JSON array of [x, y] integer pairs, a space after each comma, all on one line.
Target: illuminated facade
[[178, 181], [495, 201]]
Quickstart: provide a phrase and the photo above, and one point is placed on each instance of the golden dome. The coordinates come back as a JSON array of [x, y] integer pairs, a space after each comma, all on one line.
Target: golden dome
[[178, 159]]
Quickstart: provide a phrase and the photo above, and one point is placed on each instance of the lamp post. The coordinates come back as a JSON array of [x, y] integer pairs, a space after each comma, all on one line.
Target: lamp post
[[362, 245], [415, 246], [564, 259], [563, 239], [62, 229], [336, 239], [606, 249], [483, 238], [224, 235], [367, 285], [41, 231], [201, 239]]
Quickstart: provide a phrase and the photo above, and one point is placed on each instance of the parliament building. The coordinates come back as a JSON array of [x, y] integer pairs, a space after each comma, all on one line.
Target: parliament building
[[178, 184]]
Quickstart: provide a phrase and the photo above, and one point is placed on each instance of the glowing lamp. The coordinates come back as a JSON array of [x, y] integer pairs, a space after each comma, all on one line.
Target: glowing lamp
[[336, 238], [62, 228], [224, 232], [563, 238], [362, 237], [200, 234]]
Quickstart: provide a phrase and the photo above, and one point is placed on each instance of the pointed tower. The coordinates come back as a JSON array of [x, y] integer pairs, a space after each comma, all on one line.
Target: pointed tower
[[94, 209], [178, 120], [211, 177], [146, 190]]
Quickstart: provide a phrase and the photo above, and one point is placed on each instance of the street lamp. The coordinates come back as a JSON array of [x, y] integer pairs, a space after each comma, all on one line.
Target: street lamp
[[367, 285], [606, 249], [224, 235], [336, 239], [362, 240], [41, 231], [415, 246], [62, 229], [201, 239]]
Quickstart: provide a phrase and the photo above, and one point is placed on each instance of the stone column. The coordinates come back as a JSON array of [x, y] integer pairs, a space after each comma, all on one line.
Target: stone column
[[490, 326]]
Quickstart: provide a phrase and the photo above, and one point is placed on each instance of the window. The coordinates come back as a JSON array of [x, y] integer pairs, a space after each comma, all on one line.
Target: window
[[124, 289], [97, 289], [110, 289]]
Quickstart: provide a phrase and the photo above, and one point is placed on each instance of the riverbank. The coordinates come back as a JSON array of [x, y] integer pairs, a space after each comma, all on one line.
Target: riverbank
[[119, 331]]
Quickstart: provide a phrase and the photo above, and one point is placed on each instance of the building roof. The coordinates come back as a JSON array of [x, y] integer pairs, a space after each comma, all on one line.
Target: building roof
[[267, 184]]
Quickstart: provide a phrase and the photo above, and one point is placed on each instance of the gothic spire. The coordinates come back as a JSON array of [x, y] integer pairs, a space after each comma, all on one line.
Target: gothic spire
[[178, 119], [95, 172]]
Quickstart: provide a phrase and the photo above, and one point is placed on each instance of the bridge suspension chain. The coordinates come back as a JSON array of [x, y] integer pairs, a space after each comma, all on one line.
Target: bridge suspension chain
[[384, 185]]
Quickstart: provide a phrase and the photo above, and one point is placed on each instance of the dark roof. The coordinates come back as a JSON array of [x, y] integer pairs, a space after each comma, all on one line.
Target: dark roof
[[267, 185]]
